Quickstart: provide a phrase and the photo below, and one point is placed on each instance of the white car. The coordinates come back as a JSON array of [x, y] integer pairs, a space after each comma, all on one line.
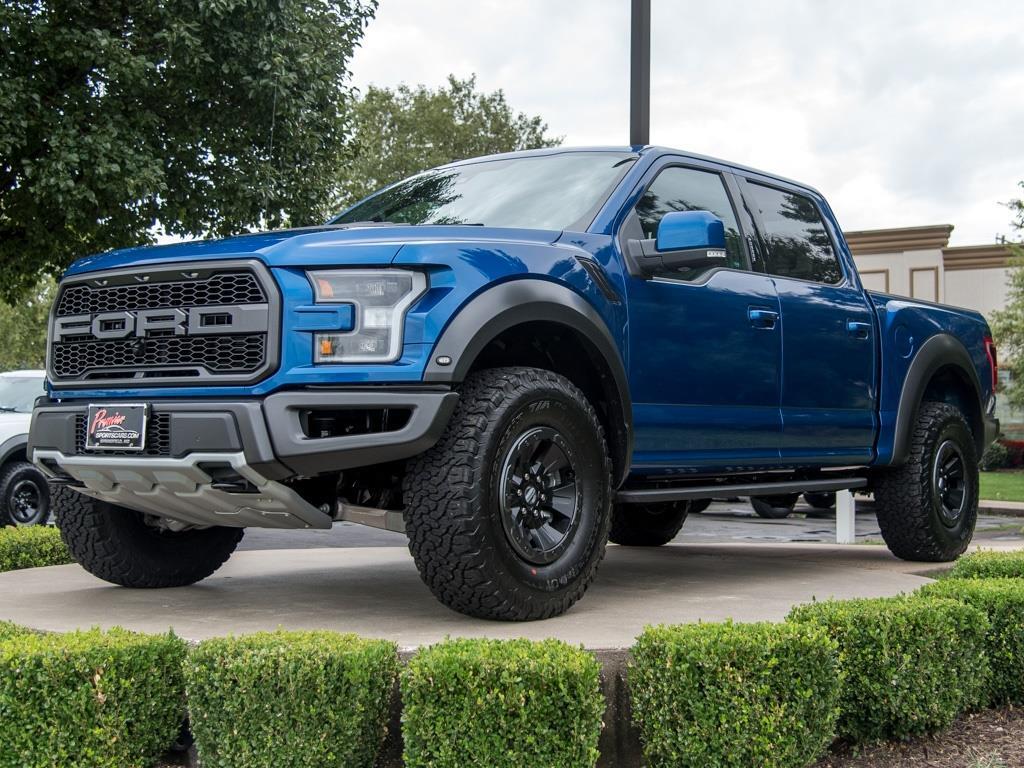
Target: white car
[[24, 494]]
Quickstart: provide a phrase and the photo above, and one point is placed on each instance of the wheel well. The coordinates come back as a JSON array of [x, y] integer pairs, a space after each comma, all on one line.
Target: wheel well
[[561, 349], [950, 384]]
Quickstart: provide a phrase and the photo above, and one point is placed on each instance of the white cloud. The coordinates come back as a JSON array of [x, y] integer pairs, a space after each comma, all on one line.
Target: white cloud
[[901, 113]]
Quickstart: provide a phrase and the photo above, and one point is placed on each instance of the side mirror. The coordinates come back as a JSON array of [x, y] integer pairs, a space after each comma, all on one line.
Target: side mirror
[[690, 239]]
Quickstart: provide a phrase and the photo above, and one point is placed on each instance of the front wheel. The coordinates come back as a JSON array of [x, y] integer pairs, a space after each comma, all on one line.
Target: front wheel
[[647, 525], [774, 507], [123, 547], [24, 495], [508, 514], [927, 508]]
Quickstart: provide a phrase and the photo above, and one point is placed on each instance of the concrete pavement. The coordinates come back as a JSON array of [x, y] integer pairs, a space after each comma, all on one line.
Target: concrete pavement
[[726, 563], [376, 592]]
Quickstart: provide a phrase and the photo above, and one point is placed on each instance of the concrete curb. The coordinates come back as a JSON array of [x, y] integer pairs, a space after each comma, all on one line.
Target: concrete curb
[[1003, 508]]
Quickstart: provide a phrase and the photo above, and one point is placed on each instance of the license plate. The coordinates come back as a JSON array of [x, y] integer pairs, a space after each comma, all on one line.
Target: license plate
[[119, 427]]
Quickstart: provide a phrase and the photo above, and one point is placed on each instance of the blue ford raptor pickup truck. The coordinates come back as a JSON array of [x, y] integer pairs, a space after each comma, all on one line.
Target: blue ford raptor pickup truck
[[513, 360]]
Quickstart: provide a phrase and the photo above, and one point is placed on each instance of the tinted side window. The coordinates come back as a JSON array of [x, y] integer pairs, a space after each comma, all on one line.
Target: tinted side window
[[687, 189], [797, 243]]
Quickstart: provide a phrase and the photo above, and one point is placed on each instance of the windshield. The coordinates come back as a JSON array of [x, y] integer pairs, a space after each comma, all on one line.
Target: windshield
[[540, 192], [17, 393]]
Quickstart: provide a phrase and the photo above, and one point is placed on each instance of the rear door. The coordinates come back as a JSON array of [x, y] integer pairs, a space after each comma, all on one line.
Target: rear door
[[828, 345], [704, 343]]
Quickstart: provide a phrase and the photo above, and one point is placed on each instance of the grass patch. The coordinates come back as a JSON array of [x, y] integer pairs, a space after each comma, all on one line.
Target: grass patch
[[1002, 486]]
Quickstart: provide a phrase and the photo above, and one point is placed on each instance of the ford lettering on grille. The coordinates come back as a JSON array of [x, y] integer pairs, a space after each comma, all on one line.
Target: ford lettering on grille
[[168, 325]]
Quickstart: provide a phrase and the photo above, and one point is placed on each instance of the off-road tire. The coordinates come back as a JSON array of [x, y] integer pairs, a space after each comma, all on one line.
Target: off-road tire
[[699, 505], [906, 502], [647, 525], [13, 480], [453, 505], [824, 500], [116, 545], [774, 507]]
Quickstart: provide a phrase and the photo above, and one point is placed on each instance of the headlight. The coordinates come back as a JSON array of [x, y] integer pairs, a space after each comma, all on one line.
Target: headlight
[[381, 299]]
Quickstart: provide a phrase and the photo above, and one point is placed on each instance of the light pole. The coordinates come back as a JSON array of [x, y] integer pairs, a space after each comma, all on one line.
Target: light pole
[[640, 73]]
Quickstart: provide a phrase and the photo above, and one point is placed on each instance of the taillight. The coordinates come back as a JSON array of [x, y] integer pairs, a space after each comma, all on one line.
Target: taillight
[[993, 361]]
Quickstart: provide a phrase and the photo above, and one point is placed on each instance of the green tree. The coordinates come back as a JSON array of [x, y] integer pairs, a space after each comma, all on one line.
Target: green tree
[[1008, 323], [197, 116], [23, 329], [401, 131]]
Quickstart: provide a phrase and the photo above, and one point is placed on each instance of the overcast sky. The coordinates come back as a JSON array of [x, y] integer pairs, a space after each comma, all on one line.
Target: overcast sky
[[902, 113]]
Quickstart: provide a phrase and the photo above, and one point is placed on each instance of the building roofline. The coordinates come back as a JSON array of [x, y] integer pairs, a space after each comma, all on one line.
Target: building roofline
[[898, 239], [996, 256]]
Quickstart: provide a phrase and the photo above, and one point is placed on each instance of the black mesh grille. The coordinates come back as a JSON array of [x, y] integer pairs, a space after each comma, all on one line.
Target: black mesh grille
[[160, 354], [158, 437], [226, 354], [226, 288]]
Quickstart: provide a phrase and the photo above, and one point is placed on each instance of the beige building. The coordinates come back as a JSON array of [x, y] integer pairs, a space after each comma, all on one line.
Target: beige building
[[918, 262]]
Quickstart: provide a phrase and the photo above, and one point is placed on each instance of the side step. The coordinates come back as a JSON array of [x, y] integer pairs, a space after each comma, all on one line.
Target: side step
[[691, 492]]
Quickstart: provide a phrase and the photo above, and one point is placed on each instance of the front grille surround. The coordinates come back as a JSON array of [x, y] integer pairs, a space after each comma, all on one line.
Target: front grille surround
[[161, 358]]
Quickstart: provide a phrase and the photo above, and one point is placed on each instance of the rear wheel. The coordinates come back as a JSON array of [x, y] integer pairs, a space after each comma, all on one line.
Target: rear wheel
[[774, 507], [120, 546], [927, 508], [24, 495], [508, 514], [647, 525], [821, 504]]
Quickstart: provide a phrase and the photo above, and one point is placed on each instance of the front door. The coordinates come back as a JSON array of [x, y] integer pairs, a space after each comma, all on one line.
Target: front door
[[704, 343], [828, 344]]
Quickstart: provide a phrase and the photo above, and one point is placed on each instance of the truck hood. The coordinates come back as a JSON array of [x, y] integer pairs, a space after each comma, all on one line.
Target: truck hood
[[12, 424], [311, 246]]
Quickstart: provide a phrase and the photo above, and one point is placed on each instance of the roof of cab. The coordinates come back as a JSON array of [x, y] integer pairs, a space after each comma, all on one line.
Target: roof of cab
[[637, 150]]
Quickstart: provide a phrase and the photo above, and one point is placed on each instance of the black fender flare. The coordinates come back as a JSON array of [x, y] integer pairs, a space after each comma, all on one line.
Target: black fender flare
[[937, 352], [13, 445], [509, 304]]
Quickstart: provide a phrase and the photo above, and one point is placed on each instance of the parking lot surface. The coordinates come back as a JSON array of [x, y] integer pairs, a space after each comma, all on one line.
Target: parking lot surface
[[725, 564]]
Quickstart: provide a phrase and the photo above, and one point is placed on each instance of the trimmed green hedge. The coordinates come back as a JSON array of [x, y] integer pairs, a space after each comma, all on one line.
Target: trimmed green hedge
[[89, 699], [735, 694], [31, 547], [501, 704], [912, 664], [9, 630], [988, 565], [1002, 600], [290, 699]]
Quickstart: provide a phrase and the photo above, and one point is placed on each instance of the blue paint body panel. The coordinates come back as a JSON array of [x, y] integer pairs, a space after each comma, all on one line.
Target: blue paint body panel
[[738, 371]]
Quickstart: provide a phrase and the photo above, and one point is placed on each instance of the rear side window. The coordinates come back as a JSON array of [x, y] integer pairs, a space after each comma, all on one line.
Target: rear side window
[[687, 189], [797, 244]]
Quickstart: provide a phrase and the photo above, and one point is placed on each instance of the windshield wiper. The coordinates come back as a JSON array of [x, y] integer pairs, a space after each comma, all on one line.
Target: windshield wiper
[[7, 409]]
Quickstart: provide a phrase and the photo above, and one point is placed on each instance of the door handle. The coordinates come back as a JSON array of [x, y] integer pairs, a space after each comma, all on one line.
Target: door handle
[[762, 318], [858, 330]]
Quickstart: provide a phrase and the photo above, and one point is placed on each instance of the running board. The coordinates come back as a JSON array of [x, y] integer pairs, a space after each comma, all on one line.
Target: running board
[[689, 493]]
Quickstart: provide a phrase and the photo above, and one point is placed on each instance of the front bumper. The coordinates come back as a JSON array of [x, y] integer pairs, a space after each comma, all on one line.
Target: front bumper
[[218, 462]]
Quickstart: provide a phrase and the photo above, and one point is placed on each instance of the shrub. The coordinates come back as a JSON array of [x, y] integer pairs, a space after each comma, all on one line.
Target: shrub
[[911, 665], [735, 694], [986, 565], [501, 704], [996, 456], [89, 699], [1002, 600], [290, 699], [9, 631], [32, 547]]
